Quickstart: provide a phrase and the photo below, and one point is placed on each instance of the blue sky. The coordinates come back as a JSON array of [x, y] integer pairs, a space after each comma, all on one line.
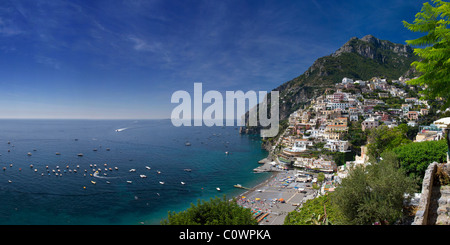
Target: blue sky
[[124, 59]]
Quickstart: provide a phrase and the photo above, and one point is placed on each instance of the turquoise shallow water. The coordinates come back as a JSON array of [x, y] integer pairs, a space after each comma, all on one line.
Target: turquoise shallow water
[[42, 197]]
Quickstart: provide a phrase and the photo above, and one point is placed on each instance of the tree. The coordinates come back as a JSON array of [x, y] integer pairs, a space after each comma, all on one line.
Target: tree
[[318, 211], [434, 65], [374, 193], [384, 138], [213, 212], [415, 157]]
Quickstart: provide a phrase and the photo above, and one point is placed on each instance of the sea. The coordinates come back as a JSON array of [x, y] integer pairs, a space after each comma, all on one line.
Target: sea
[[130, 171]]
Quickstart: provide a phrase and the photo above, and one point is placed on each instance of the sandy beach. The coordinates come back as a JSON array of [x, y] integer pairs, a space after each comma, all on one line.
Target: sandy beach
[[271, 200]]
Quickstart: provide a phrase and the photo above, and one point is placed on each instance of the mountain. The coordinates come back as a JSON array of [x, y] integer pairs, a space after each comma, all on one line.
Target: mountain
[[357, 59]]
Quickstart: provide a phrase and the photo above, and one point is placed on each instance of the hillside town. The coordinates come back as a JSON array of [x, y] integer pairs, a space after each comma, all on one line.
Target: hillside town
[[320, 137]]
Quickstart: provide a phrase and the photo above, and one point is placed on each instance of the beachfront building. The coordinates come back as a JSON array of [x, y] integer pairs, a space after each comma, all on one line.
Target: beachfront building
[[315, 164]]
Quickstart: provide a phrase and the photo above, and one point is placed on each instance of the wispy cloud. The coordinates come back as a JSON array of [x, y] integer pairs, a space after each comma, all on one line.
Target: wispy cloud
[[142, 45], [8, 29], [47, 61]]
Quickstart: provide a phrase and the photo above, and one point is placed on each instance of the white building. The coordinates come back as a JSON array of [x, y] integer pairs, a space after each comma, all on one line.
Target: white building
[[346, 80], [337, 145], [301, 145]]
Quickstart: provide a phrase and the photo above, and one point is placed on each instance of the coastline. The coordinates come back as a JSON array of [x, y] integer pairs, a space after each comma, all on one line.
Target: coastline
[[272, 199]]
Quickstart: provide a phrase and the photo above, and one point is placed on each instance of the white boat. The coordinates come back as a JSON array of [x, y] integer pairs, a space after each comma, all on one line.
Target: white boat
[[93, 182], [29, 153], [80, 154], [217, 188], [147, 167], [9, 181], [129, 181], [188, 143], [142, 176], [116, 168], [132, 170], [161, 182], [157, 171], [183, 183]]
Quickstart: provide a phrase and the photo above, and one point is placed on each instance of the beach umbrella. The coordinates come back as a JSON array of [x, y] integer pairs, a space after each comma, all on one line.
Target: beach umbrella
[[257, 199], [281, 200]]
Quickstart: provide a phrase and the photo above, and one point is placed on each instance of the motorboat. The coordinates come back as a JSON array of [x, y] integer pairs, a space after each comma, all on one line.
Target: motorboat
[[129, 181], [80, 154], [161, 182], [143, 176], [217, 188], [147, 167], [157, 171], [132, 170], [93, 182], [183, 183], [187, 143], [187, 169]]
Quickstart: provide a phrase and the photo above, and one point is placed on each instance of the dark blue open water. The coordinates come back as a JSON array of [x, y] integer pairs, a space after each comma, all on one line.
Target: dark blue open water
[[41, 197]]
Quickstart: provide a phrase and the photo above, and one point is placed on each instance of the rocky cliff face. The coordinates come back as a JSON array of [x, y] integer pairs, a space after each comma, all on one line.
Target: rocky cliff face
[[358, 59], [372, 48]]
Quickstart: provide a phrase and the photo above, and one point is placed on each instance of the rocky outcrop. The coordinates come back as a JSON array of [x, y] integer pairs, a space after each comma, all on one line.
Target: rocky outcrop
[[372, 48]]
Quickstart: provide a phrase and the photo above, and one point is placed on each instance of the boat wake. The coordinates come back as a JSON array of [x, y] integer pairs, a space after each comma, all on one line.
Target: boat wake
[[96, 175], [121, 129]]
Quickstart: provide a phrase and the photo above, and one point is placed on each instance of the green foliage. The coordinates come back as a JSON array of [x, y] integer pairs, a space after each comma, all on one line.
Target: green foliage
[[313, 213], [383, 138], [213, 212], [374, 193], [416, 157], [434, 65], [320, 177], [355, 135]]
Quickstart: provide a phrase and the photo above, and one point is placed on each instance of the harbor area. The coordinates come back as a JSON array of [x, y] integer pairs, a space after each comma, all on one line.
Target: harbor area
[[273, 199]]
